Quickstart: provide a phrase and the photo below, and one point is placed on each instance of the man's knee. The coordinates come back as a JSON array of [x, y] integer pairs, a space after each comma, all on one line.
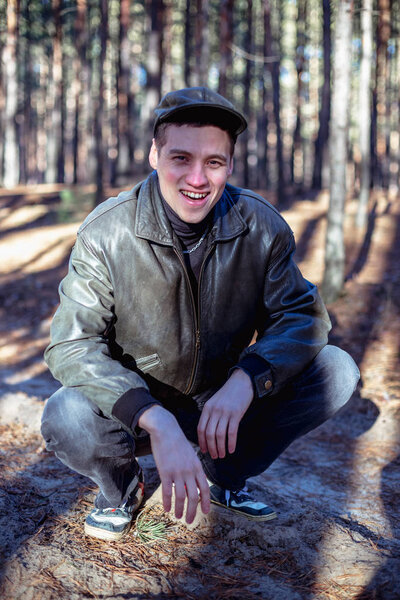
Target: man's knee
[[340, 373], [66, 413]]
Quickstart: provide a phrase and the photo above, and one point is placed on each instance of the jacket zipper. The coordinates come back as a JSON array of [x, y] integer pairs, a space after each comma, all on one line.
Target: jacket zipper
[[195, 315]]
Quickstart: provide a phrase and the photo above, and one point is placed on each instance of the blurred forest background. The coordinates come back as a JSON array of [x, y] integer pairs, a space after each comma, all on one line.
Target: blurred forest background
[[318, 81]]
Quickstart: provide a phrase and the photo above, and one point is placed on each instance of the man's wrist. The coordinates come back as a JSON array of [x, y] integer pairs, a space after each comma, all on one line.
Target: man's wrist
[[156, 419], [242, 378]]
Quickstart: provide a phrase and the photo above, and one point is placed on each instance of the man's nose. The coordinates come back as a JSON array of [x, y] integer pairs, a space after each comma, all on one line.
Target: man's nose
[[197, 176]]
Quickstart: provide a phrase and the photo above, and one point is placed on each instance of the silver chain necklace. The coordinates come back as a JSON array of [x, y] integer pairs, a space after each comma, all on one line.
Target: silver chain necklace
[[201, 240]]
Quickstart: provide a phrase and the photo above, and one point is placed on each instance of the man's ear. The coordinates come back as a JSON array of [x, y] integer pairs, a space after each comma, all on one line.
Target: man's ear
[[230, 168], [153, 155]]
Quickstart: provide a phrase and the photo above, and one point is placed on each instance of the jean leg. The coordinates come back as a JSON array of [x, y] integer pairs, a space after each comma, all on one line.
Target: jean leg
[[272, 424], [88, 442]]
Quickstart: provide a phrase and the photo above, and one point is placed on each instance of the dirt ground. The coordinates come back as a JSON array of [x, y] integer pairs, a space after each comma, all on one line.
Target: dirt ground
[[336, 490]]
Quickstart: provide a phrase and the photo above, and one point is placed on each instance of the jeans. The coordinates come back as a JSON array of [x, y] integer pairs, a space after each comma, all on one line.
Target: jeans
[[88, 442]]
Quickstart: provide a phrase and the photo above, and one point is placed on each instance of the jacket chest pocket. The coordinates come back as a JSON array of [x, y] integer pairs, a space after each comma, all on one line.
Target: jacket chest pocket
[[148, 362]]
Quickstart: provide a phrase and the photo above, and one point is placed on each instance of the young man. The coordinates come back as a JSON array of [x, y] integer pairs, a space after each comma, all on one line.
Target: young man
[[166, 286]]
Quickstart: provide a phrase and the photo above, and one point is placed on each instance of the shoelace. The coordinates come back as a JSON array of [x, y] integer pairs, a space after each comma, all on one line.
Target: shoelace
[[241, 493]]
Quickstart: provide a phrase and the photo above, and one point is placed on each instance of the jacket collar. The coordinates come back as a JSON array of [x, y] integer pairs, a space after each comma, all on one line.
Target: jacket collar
[[152, 222]]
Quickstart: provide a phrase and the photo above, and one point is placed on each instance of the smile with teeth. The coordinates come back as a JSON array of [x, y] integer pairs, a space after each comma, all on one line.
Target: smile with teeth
[[194, 195]]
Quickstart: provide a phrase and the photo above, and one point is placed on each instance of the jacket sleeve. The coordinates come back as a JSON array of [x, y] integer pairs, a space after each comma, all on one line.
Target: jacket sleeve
[[78, 354], [292, 324]]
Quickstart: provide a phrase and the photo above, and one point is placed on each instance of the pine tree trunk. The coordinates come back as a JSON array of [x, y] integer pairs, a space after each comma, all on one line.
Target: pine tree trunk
[[300, 59], [154, 64], [99, 106], [188, 44], [324, 113], [225, 67], [365, 111], [274, 68], [11, 149], [334, 249], [202, 47], [378, 143], [125, 96], [247, 85], [81, 86], [55, 120]]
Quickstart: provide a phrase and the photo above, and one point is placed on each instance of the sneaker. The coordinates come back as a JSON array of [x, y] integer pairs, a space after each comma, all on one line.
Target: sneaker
[[113, 523], [241, 502]]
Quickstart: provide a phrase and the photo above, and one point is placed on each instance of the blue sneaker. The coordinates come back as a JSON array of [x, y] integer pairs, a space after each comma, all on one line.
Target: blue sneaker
[[241, 502], [113, 523]]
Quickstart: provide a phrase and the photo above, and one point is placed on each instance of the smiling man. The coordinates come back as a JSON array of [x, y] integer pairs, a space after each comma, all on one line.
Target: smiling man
[[167, 285]]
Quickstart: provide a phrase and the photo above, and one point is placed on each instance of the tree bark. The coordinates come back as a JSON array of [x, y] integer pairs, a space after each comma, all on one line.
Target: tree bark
[[378, 142], [55, 105], [334, 248], [274, 68], [365, 112], [202, 46], [324, 113], [247, 86], [154, 64], [225, 67], [99, 105], [11, 149], [300, 60], [125, 95]]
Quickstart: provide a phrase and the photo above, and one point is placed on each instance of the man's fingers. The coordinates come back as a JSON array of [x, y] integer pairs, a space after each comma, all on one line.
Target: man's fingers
[[180, 495], [201, 431], [192, 500], [167, 494], [204, 490], [232, 435], [220, 436], [211, 437]]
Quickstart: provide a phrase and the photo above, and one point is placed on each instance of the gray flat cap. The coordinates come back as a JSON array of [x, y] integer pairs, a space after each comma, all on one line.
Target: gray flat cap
[[199, 104]]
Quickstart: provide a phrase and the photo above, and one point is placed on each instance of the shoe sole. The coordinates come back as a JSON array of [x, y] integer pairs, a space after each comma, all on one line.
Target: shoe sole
[[104, 534], [111, 536], [268, 517]]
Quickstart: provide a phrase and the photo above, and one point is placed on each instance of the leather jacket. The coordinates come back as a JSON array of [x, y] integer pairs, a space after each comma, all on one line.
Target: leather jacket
[[127, 318]]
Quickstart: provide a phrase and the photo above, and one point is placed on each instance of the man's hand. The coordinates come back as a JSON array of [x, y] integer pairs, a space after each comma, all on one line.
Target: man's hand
[[178, 466], [222, 413]]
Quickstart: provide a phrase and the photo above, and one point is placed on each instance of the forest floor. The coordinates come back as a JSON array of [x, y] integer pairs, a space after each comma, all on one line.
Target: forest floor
[[336, 490]]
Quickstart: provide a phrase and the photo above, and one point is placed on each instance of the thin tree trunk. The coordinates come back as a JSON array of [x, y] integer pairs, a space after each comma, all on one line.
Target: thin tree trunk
[[202, 47], [334, 249], [188, 44], [99, 105], [154, 64], [225, 68], [125, 97], [263, 114], [55, 117], [247, 85], [274, 68], [365, 111], [11, 149], [324, 113], [300, 59], [378, 142], [81, 85]]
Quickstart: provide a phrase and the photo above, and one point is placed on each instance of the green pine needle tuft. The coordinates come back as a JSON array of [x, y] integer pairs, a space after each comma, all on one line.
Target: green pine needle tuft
[[150, 530]]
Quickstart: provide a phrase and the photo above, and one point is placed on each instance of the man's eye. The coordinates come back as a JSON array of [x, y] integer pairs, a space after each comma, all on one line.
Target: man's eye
[[214, 163], [180, 158]]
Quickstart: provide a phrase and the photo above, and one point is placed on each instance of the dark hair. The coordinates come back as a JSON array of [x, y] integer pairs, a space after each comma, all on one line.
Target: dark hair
[[194, 121]]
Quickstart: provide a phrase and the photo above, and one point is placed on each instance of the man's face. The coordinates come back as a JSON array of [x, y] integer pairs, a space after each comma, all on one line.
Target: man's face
[[193, 167]]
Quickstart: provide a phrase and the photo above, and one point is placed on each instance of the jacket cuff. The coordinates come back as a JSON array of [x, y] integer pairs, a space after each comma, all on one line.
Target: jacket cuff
[[259, 372], [131, 405]]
